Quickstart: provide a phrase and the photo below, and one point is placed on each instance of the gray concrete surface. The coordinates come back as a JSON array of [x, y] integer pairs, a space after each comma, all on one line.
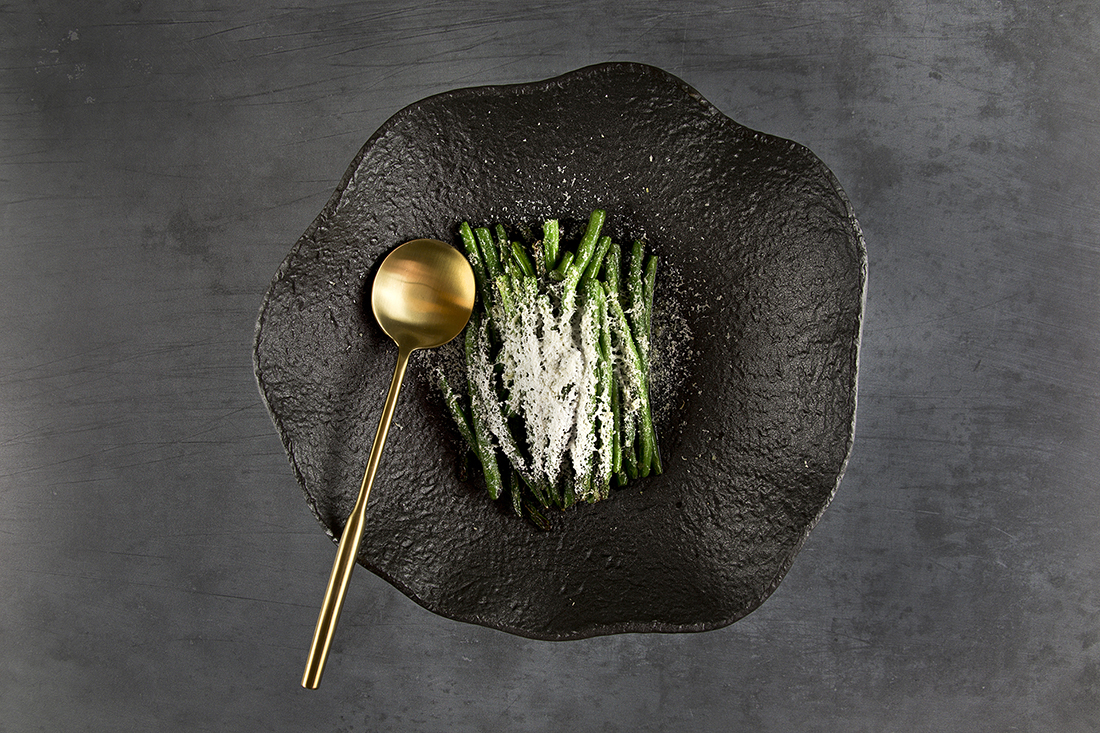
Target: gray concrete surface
[[158, 567]]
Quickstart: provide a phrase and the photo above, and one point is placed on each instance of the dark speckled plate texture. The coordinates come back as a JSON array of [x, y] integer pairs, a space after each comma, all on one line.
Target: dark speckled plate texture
[[762, 289]]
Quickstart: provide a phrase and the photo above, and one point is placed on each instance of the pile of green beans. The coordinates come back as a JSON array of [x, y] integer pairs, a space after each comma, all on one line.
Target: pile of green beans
[[608, 304]]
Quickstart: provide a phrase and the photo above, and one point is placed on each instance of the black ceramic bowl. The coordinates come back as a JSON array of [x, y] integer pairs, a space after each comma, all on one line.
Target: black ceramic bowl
[[764, 267]]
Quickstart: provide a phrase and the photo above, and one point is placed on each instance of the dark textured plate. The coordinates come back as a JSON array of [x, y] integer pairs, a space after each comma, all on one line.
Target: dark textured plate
[[764, 266]]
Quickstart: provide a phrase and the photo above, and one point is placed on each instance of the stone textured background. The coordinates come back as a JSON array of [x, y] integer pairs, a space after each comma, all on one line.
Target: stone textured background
[[159, 568]]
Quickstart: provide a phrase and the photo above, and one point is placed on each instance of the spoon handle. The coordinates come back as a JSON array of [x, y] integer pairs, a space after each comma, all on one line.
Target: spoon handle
[[348, 550]]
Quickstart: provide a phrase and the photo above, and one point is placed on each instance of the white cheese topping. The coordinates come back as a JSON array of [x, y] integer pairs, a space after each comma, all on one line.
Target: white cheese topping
[[550, 380]]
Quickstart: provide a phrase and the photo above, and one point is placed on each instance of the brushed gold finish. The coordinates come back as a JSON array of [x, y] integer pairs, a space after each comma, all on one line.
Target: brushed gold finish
[[422, 297]]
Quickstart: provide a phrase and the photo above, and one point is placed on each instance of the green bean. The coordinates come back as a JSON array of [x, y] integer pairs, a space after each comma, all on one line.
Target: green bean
[[634, 366], [504, 294], [503, 249], [590, 336], [488, 253], [539, 492], [533, 512], [483, 442], [617, 423], [644, 337], [597, 260], [522, 260], [476, 262], [458, 414], [606, 388], [649, 285], [551, 236], [569, 491], [656, 467], [516, 487], [587, 246], [586, 251], [634, 277], [613, 264], [563, 268]]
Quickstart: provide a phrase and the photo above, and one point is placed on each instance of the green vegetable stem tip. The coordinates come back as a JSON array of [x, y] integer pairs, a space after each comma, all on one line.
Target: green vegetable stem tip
[[551, 234]]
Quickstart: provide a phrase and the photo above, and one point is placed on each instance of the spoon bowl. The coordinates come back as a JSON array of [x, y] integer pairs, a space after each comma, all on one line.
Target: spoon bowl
[[423, 294], [422, 297]]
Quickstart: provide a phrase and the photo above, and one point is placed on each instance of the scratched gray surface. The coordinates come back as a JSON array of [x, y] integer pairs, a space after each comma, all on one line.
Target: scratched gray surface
[[158, 568]]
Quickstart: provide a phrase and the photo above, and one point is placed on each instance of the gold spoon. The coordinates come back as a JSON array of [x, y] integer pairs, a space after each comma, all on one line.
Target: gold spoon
[[422, 297]]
